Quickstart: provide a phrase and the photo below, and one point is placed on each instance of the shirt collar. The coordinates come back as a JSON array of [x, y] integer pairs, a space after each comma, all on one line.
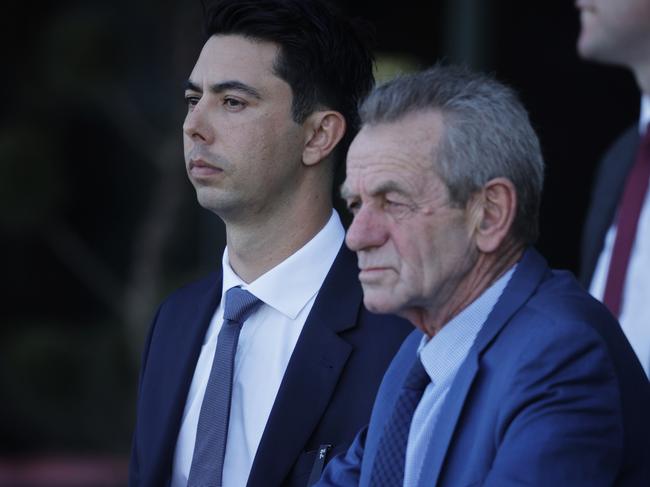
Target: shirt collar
[[644, 119], [442, 355], [290, 285]]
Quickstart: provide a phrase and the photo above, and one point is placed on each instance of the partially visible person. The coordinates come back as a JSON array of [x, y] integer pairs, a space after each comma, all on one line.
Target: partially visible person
[[256, 375], [615, 260], [514, 375]]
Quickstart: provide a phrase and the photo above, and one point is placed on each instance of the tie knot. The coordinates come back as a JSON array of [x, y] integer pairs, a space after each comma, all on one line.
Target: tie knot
[[239, 305], [417, 377]]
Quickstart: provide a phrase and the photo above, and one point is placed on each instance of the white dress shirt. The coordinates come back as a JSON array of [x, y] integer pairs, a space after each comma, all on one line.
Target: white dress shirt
[[635, 307], [441, 357], [266, 342]]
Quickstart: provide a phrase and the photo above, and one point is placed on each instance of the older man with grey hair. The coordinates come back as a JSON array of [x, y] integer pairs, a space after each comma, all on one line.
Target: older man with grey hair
[[514, 374]]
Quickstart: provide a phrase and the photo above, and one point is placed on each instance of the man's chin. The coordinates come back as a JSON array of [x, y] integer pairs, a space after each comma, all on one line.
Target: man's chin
[[379, 303], [590, 49], [214, 201], [585, 47]]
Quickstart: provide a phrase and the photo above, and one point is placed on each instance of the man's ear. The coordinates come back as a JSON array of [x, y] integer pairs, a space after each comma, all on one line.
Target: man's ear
[[493, 212], [323, 130]]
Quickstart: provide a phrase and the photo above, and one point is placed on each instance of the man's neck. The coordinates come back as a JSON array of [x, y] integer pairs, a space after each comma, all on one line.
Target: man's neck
[[642, 75], [487, 269], [256, 246]]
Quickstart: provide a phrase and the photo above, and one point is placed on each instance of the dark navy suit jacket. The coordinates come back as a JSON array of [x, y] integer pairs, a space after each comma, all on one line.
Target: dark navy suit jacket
[[605, 196], [550, 395], [325, 397]]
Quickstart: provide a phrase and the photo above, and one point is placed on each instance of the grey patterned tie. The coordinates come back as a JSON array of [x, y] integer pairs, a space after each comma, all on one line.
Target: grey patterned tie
[[212, 430], [388, 468]]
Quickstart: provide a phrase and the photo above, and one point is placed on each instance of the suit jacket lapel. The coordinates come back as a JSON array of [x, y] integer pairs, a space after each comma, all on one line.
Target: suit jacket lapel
[[523, 283], [179, 356], [312, 374], [606, 194], [622, 157]]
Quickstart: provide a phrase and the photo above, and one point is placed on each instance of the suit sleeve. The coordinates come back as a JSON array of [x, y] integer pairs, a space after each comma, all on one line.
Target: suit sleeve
[[344, 469], [561, 424]]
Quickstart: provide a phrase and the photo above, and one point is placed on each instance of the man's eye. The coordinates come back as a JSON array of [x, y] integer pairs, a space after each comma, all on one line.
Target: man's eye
[[192, 100], [353, 206], [398, 208], [233, 104], [393, 204]]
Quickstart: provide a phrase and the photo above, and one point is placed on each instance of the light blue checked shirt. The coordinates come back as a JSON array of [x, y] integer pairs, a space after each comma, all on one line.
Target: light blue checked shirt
[[441, 357]]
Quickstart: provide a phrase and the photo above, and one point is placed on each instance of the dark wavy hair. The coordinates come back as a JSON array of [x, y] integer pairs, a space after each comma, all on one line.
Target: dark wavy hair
[[324, 57]]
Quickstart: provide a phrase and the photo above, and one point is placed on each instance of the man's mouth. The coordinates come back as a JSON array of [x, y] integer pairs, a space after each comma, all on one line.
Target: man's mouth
[[198, 168]]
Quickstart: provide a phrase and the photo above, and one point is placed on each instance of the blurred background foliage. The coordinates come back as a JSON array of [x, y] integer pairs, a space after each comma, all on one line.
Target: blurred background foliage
[[96, 217], [98, 222]]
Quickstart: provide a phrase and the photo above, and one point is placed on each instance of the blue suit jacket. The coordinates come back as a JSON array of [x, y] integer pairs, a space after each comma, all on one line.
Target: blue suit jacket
[[551, 394], [326, 394]]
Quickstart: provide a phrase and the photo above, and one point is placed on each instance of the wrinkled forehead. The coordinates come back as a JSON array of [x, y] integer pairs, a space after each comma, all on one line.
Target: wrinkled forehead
[[410, 141], [392, 157]]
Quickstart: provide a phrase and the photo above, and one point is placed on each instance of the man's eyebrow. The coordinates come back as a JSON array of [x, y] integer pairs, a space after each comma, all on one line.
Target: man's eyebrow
[[218, 88], [191, 86], [388, 187], [345, 192], [382, 188]]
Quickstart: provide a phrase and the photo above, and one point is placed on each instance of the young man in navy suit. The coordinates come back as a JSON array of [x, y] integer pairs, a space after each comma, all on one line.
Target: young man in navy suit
[[616, 237], [271, 107], [514, 375]]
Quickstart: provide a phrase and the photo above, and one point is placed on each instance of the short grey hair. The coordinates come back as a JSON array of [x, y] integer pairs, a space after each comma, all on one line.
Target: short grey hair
[[487, 134]]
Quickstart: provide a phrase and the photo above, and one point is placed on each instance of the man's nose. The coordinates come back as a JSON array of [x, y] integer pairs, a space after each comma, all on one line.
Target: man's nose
[[196, 125], [366, 230]]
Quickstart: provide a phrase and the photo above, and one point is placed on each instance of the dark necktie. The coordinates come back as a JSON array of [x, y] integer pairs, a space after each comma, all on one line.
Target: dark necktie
[[212, 429], [636, 186], [388, 468]]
